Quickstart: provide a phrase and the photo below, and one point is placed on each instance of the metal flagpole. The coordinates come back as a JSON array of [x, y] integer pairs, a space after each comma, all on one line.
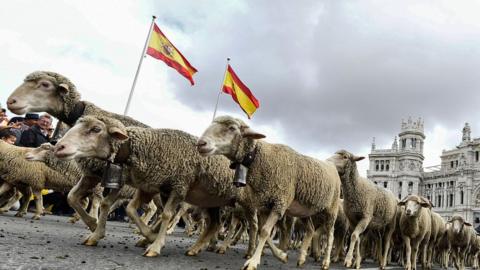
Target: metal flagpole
[[221, 90], [139, 66]]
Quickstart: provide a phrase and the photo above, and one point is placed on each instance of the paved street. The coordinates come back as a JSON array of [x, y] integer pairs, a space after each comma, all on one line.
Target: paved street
[[52, 243]]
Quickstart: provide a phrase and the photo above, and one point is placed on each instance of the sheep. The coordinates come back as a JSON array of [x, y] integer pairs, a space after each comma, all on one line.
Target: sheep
[[475, 250], [460, 234], [415, 227], [159, 160], [45, 91], [438, 230], [16, 172], [282, 181], [366, 207]]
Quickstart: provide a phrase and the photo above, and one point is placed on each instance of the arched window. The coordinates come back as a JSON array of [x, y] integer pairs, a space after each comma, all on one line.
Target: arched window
[[381, 165], [461, 196], [376, 165], [439, 200], [387, 165], [385, 184], [451, 200]]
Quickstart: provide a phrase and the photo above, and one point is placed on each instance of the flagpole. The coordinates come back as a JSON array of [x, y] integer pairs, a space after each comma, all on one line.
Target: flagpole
[[139, 66], [221, 90]]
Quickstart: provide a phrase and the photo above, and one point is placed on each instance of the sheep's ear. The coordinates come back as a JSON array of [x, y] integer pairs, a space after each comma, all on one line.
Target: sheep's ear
[[401, 203], [425, 204], [250, 133], [467, 223], [64, 88], [355, 158], [117, 133]]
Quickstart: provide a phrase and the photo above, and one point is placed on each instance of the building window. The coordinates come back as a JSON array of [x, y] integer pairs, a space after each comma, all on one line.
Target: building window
[[375, 182], [439, 201], [451, 200], [410, 184], [461, 197], [381, 165], [451, 183], [399, 196], [476, 156], [414, 143], [399, 184], [404, 143], [385, 184], [451, 164], [456, 163], [387, 165], [376, 165]]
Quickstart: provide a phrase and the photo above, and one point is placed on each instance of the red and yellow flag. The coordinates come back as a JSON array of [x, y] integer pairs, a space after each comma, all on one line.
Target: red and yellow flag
[[239, 92], [161, 48]]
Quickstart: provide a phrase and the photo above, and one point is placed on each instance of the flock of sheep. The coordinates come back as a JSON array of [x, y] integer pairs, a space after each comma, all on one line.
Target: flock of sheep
[[324, 208]]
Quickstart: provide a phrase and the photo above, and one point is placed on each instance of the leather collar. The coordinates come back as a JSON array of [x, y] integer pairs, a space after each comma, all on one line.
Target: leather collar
[[247, 159], [76, 113]]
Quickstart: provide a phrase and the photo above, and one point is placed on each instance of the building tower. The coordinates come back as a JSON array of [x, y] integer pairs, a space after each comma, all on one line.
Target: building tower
[[410, 158], [399, 168]]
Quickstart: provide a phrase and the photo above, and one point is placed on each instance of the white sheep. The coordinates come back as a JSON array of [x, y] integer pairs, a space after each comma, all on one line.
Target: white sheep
[[366, 206]]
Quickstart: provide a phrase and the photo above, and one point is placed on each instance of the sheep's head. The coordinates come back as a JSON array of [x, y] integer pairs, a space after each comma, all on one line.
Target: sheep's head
[[42, 91], [344, 160], [413, 204], [40, 153], [224, 136], [457, 224], [91, 137]]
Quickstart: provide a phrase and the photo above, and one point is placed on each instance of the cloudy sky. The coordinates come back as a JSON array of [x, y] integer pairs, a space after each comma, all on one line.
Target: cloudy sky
[[328, 74]]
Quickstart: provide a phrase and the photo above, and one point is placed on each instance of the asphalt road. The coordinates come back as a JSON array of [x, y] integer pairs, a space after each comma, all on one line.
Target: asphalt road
[[53, 243]]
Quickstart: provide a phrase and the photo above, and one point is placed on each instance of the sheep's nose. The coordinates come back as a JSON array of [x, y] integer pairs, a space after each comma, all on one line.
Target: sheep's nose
[[11, 101], [59, 147], [201, 143], [409, 212]]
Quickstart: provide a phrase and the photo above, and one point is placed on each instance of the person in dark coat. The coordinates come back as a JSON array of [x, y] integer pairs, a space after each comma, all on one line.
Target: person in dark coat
[[37, 134]]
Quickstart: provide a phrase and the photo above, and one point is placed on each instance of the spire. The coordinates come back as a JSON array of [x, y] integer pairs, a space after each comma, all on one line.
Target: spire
[[373, 144], [395, 144], [466, 133]]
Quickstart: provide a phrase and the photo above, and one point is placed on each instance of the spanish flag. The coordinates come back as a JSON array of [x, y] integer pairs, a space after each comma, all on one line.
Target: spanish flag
[[239, 92], [161, 48]]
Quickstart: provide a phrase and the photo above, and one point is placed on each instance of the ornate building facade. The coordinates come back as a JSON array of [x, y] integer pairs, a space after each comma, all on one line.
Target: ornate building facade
[[453, 186]]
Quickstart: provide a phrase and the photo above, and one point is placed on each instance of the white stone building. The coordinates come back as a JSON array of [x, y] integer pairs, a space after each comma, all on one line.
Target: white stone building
[[453, 186]]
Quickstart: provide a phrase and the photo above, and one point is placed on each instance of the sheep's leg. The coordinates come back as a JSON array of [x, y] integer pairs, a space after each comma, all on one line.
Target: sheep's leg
[[252, 219], [138, 199], [252, 263], [79, 191], [7, 197], [387, 238], [413, 259], [330, 229], [95, 205], [11, 202], [105, 205], [25, 202], [189, 224], [354, 238], [152, 209], [285, 232], [169, 209], [307, 240], [38, 204], [408, 253], [230, 235], [239, 233], [213, 224], [316, 245], [424, 247], [339, 241], [76, 217], [176, 218]]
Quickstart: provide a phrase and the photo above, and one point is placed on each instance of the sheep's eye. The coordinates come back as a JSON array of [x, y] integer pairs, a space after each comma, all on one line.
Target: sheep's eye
[[232, 128], [45, 84], [95, 130]]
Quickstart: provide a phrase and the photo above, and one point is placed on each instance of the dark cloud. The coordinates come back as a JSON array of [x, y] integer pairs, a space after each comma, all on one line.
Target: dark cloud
[[334, 73]]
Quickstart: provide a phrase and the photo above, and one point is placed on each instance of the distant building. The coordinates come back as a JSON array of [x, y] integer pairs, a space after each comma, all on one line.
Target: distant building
[[453, 186]]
